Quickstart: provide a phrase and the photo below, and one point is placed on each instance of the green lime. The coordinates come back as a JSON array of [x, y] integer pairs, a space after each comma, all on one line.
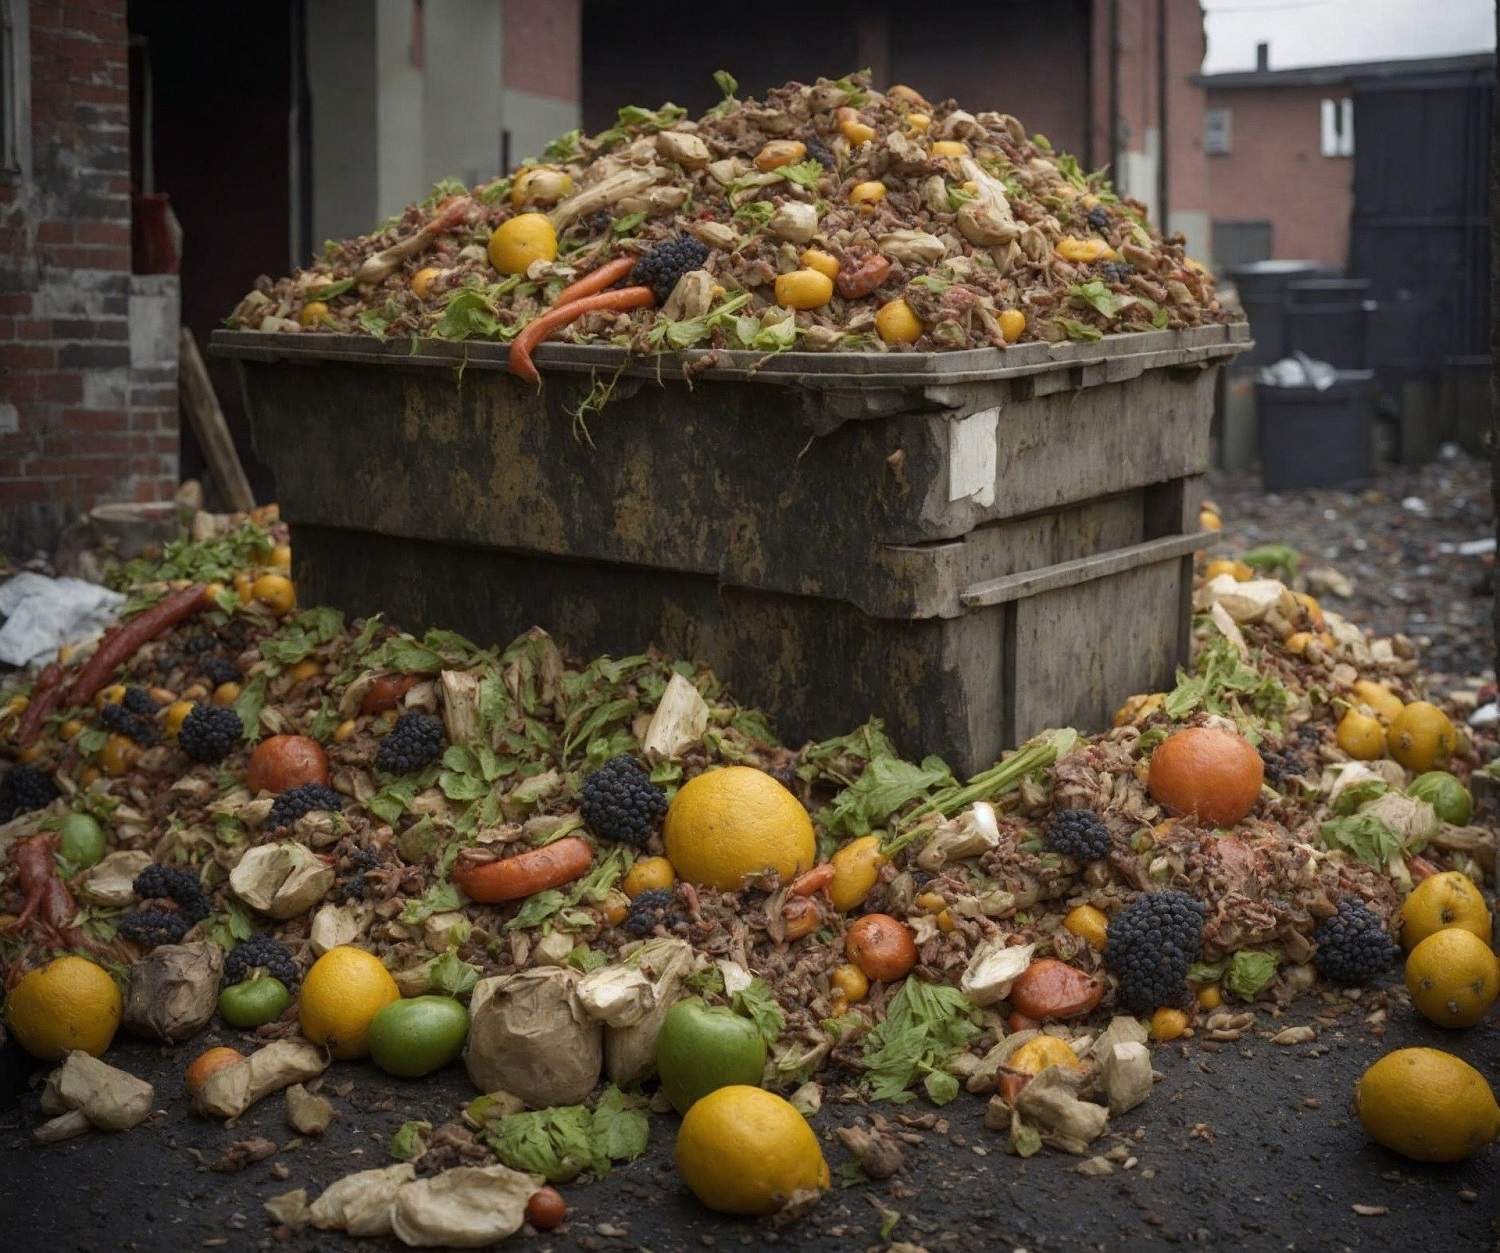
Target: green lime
[[704, 1047], [254, 1002], [80, 840], [414, 1037], [1449, 798]]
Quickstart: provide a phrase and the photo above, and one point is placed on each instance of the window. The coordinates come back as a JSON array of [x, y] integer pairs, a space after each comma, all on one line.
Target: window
[[1338, 127], [1216, 132], [15, 85]]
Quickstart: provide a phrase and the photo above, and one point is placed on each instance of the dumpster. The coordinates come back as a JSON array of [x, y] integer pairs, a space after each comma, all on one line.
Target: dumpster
[[952, 541]]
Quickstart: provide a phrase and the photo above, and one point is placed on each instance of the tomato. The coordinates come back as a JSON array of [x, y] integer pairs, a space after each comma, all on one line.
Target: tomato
[[546, 1209], [881, 946], [414, 1037], [702, 1048], [254, 1002], [286, 761]]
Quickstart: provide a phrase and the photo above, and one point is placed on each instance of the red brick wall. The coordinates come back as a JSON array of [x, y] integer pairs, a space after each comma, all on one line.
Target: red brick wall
[[89, 425], [1275, 172], [539, 45]]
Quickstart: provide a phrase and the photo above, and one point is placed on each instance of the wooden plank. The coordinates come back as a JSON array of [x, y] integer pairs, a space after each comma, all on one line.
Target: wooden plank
[[1083, 570], [208, 424]]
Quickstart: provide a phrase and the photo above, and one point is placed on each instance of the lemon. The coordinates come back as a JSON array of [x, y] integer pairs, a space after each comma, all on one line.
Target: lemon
[[1453, 977], [341, 995], [736, 821], [1427, 1105], [525, 238], [743, 1150], [856, 867], [1384, 702], [1037, 1054], [1421, 736], [1443, 900], [1361, 736], [70, 1003]]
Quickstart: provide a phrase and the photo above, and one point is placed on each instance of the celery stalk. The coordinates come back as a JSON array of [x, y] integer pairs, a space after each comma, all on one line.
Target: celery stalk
[[1006, 776]]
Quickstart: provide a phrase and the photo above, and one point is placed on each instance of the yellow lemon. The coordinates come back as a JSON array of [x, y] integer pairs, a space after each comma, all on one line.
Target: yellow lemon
[[1012, 324], [1450, 899], [276, 591], [1453, 977], [1378, 697], [897, 322], [1421, 737], [856, 867], [70, 1003], [342, 993], [648, 874], [736, 821], [1037, 1054], [1427, 1105], [1168, 1024], [525, 238], [1361, 736], [744, 1150]]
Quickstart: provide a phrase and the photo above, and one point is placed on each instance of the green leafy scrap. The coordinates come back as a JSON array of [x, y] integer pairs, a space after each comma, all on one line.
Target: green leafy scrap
[[252, 700], [1080, 330], [925, 1025], [887, 786], [409, 1140], [1279, 561], [562, 1142], [758, 1003], [1362, 836], [1223, 683]]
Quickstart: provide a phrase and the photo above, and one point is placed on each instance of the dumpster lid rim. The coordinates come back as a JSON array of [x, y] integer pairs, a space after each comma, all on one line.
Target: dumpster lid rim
[[813, 369]]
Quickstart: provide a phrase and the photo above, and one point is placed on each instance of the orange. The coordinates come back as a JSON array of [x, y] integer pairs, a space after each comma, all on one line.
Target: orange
[[1209, 772], [727, 824], [70, 1003], [881, 946], [648, 874], [207, 1063], [341, 995]]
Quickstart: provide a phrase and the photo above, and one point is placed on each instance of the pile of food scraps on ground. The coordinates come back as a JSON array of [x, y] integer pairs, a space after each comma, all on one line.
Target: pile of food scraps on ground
[[831, 217], [345, 841]]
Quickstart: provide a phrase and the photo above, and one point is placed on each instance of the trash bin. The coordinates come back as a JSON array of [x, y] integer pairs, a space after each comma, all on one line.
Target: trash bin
[[1329, 320], [972, 545], [1314, 436], [1262, 290]]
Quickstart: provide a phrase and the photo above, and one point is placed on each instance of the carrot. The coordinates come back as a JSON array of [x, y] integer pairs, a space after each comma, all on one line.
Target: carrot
[[814, 880], [120, 643], [561, 315], [608, 274], [536, 870], [43, 697]]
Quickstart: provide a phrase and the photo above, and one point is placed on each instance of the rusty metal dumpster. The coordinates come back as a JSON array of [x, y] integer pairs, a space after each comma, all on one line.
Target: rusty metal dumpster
[[971, 545]]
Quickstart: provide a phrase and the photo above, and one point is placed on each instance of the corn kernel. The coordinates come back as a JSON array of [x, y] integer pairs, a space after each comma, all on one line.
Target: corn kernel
[[917, 122], [780, 152], [867, 195], [930, 902], [945, 921], [344, 730], [1088, 924], [851, 983], [852, 128], [949, 148], [822, 262], [1168, 1024], [421, 281]]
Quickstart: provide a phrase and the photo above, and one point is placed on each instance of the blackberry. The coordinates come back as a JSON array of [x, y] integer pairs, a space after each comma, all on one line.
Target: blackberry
[[596, 222], [294, 802], [818, 151], [648, 909], [179, 886], [1116, 271], [660, 268], [140, 702], [133, 726], [621, 803], [261, 952], [1079, 834], [416, 741], [356, 887], [1099, 218], [150, 927], [1150, 945], [1353, 945], [24, 789], [209, 732], [216, 670], [200, 644]]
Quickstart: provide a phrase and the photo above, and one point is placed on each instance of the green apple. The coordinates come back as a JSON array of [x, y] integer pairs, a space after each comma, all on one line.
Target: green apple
[[704, 1047]]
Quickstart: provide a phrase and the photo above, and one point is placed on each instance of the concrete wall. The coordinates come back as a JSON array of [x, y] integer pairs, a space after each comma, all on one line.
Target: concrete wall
[[340, 68], [1275, 171], [88, 362]]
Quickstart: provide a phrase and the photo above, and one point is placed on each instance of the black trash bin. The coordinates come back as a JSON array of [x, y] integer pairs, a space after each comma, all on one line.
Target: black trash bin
[[1313, 438], [1262, 289], [1329, 320]]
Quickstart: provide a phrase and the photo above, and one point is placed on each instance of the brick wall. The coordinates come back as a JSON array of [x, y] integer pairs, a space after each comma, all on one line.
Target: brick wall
[[1275, 171], [88, 410]]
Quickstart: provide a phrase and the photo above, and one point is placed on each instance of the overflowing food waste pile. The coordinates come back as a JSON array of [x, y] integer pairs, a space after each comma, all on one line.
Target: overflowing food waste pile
[[831, 217], [602, 886]]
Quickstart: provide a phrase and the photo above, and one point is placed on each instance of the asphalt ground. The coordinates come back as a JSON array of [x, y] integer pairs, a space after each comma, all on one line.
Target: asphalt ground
[[1242, 1145]]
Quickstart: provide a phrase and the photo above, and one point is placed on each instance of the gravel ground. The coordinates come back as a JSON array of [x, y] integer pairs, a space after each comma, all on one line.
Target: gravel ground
[[1396, 542], [1242, 1144]]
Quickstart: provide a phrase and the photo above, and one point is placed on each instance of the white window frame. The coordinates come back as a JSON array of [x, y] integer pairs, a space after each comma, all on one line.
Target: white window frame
[[15, 81], [1337, 131], [1218, 132]]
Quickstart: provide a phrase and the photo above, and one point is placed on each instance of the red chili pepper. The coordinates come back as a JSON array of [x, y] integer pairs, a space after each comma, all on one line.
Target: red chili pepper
[[46, 895], [561, 315], [43, 697], [607, 275], [120, 643]]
